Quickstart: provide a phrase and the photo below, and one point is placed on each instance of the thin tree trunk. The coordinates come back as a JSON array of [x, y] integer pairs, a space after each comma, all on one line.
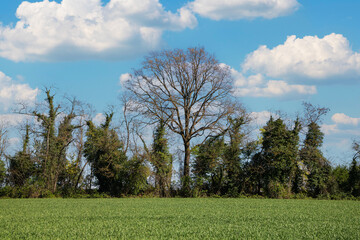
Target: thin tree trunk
[[80, 174]]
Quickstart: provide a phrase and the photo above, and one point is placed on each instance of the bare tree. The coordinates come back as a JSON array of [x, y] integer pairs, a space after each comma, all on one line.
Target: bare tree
[[313, 114], [187, 89], [129, 125]]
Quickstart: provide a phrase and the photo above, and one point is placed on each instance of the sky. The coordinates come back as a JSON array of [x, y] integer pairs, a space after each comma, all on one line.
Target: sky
[[280, 52]]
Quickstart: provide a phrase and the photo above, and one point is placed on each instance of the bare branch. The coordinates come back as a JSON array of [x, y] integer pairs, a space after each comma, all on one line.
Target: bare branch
[[187, 89]]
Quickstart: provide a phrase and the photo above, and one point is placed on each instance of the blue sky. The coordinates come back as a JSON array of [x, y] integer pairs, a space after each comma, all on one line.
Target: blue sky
[[281, 52]]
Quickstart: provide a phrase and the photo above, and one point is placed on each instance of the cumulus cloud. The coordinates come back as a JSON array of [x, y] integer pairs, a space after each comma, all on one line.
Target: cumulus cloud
[[340, 133], [258, 86], [277, 88], [342, 124], [309, 57], [341, 118], [50, 31], [240, 9], [12, 92]]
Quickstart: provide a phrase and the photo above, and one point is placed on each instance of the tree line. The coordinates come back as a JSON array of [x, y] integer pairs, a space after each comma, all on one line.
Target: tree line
[[184, 97]]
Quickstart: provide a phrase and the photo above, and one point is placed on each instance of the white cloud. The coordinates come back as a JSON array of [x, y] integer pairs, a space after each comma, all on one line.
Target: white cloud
[[340, 137], [99, 119], [258, 86], [329, 128], [275, 88], [10, 120], [342, 124], [340, 134], [309, 57], [12, 92], [50, 31], [341, 118], [240, 9]]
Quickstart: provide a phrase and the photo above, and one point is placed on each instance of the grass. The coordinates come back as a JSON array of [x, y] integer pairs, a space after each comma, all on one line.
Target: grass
[[178, 219]]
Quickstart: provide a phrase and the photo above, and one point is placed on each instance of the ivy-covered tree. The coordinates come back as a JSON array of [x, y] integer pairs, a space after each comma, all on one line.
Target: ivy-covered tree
[[208, 166], [22, 166], [317, 166], [104, 151], [2, 172], [232, 156], [341, 175], [134, 176], [56, 136], [161, 160], [354, 172], [278, 157]]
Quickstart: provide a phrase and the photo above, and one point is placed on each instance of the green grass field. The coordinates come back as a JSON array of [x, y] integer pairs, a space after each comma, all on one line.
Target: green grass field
[[178, 219]]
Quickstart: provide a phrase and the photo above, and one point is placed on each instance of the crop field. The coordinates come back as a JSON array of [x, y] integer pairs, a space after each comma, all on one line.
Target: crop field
[[178, 219]]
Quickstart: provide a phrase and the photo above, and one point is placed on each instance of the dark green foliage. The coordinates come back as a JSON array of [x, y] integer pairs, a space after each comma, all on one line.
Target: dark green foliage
[[277, 161], [341, 175], [232, 157], [314, 137], [218, 164], [208, 166], [354, 172], [104, 151], [22, 166], [317, 167], [161, 160], [354, 178], [253, 168], [134, 176], [2, 172]]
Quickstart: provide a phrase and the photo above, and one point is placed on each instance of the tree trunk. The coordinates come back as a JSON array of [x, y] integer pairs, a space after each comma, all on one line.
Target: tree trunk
[[186, 174], [187, 159]]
